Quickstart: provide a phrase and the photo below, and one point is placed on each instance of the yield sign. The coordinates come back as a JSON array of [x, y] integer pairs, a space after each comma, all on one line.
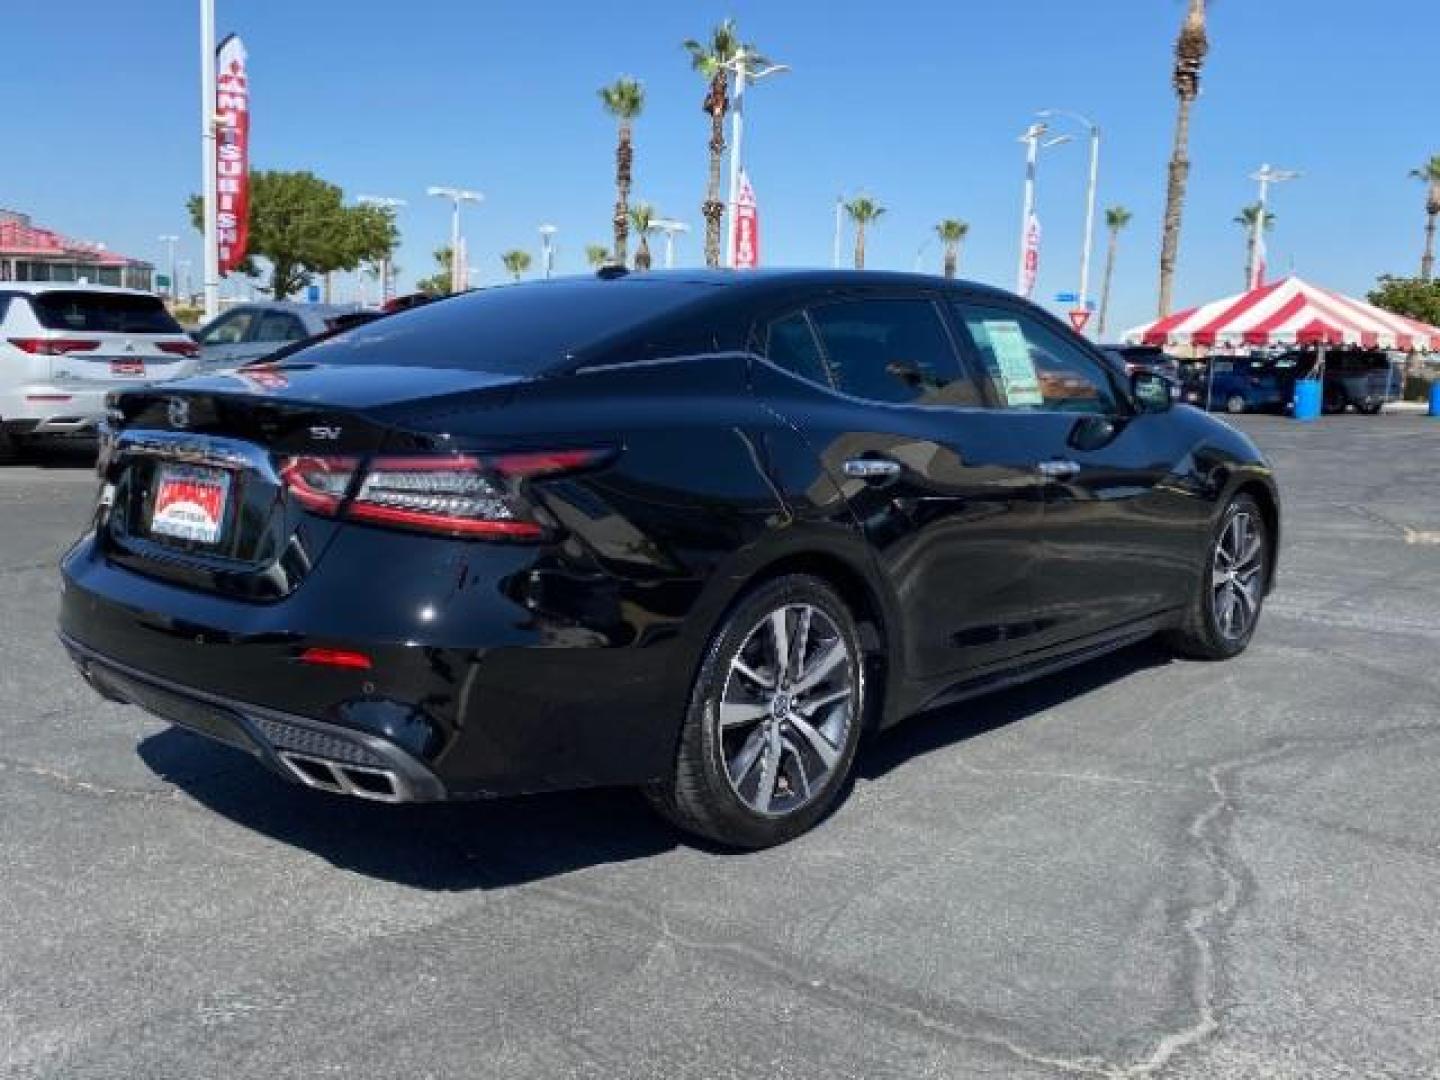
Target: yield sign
[[1079, 317]]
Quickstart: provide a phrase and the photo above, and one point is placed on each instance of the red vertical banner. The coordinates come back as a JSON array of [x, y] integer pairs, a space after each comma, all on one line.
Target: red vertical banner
[[232, 153], [746, 255], [1032, 257]]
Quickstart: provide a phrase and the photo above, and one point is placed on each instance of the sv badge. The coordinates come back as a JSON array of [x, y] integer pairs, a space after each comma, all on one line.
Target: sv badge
[[323, 431]]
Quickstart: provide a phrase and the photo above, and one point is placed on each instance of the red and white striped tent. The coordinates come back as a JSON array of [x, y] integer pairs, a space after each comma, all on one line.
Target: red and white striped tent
[[1288, 312]]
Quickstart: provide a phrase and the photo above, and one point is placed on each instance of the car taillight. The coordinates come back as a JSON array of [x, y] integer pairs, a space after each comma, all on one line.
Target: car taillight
[[53, 346], [179, 348], [460, 495]]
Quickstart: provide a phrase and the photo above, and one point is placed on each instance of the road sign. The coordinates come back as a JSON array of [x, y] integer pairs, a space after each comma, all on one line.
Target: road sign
[[1078, 319], [1066, 297], [162, 282], [312, 294]]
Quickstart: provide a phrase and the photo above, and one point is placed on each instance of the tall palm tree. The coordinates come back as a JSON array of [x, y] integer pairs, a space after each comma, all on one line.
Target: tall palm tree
[[863, 211], [1429, 175], [516, 262], [597, 255], [1190, 50], [1116, 218], [623, 99], [642, 216], [1246, 219], [952, 232], [710, 58]]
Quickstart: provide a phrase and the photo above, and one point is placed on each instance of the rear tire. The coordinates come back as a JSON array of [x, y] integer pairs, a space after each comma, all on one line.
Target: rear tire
[[1335, 401], [1235, 404], [774, 718], [9, 447], [1222, 615]]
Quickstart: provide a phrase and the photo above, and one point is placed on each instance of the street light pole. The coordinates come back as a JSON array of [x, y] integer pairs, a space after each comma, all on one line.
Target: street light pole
[[1266, 176], [670, 227], [743, 75], [210, 275], [1032, 139], [388, 202], [456, 197], [1091, 189], [170, 242], [547, 248]]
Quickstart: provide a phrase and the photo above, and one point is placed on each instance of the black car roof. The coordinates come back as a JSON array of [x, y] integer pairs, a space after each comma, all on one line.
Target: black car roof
[[760, 279]]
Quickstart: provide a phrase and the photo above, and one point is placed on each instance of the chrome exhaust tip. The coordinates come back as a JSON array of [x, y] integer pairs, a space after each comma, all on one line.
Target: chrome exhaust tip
[[343, 778]]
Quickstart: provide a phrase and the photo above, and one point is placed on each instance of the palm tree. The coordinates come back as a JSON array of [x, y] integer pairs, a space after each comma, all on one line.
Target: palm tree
[[952, 232], [1116, 218], [641, 217], [862, 210], [1246, 219], [623, 99], [516, 262], [1190, 50], [597, 255], [711, 59], [1429, 175]]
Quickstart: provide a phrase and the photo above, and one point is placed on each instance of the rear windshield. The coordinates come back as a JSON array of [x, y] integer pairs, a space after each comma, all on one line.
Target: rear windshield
[[527, 329], [121, 313]]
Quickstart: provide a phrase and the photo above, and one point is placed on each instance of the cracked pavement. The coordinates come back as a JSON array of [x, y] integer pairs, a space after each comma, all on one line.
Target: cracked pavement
[[1142, 867]]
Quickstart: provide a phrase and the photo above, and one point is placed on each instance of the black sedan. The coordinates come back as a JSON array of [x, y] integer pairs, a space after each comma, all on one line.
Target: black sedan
[[696, 532]]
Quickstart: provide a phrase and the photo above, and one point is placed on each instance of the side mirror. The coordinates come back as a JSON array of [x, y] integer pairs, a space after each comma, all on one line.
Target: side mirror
[[1152, 392]]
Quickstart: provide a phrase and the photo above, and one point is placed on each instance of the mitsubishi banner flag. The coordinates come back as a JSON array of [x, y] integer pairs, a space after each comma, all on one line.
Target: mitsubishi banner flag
[[232, 153], [1030, 267], [746, 255]]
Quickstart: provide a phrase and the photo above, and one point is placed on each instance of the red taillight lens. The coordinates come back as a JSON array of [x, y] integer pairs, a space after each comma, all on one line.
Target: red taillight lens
[[53, 346], [179, 348], [339, 658], [462, 495]]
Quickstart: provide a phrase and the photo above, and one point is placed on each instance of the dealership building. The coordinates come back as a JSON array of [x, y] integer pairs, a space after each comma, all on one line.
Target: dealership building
[[30, 253]]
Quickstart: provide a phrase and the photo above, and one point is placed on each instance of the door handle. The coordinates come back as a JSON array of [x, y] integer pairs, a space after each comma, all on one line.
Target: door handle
[[871, 468], [1058, 469]]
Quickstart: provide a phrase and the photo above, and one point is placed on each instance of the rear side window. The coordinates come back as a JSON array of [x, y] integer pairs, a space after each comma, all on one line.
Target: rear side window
[[229, 329], [120, 313], [893, 351], [792, 346], [279, 326]]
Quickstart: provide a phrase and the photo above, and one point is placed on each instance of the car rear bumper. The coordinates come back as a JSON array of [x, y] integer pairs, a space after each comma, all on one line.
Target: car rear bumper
[[44, 409]]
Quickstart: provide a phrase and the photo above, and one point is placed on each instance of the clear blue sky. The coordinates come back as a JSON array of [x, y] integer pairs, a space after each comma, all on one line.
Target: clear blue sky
[[918, 103]]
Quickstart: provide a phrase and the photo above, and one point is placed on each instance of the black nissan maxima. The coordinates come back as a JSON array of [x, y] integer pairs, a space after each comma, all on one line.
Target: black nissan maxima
[[695, 532]]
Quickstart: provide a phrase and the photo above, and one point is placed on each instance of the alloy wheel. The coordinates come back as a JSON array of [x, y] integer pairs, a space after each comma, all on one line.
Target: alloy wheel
[[786, 709], [1237, 575]]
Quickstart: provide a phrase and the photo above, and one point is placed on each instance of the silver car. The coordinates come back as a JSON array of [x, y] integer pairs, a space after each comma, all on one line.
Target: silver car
[[63, 346], [250, 332]]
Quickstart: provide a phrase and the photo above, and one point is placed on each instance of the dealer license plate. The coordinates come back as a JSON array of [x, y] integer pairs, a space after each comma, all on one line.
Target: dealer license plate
[[190, 503]]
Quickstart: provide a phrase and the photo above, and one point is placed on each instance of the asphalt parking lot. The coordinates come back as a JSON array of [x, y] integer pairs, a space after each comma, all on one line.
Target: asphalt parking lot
[[1144, 867]]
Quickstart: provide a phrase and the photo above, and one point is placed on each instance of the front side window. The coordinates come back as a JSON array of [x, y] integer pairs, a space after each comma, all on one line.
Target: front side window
[[1033, 367], [229, 329], [892, 351], [791, 345], [279, 326]]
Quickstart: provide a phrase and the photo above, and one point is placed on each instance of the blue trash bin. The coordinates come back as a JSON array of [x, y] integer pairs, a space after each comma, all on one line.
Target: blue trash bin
[[1435, 398], [1307, 399]]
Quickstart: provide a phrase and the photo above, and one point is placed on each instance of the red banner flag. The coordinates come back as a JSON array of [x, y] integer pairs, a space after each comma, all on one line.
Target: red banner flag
[[232, 153], [746, 255], [1031, 268]]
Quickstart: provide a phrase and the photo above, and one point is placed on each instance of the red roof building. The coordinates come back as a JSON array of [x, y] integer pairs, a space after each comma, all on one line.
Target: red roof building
[[30, 253]]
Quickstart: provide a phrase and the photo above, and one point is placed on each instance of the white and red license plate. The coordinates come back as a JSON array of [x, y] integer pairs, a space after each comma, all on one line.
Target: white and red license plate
[[190, 503], [127, 366]]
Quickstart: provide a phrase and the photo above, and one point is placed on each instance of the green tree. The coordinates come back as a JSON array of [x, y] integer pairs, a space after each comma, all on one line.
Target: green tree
[[623, 99], [711, 59], [1190, 50], [438, 283], [952, 232], [1246, 219], [863, 211], [1415, 298], [301, 226], [597, 255], [1116, 218], [1429, 175], [642, 216], [516, 262]]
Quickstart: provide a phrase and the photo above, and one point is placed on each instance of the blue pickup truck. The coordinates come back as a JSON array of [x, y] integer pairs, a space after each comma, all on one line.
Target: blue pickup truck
[[1364, 378]]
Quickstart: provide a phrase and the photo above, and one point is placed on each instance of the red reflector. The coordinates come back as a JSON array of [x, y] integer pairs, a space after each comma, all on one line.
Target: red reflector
[[53, 346], [47, 397], [179, 348], [341, 658]]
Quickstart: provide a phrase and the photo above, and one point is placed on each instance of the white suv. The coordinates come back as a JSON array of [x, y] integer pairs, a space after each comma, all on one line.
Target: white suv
[[63, 346]]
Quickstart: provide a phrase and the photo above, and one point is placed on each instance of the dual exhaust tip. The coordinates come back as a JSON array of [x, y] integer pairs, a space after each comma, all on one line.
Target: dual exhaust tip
[[343, 778]]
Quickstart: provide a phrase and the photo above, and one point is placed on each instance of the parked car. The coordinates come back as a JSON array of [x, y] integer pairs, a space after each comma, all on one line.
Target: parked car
[[1363, 378], [684, 530], [63, 346], [1133, 358], [249, 332], [1240, 384]]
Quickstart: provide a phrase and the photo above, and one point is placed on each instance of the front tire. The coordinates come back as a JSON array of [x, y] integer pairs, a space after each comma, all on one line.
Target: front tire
[[1235, 404], [1221, 617], [774, 718]]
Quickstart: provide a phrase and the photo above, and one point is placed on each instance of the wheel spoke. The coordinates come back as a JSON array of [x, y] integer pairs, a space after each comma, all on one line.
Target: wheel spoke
[[811, 705], [741, 764], [823, 665], [739, 713], [769, 773], [780, 642], [798, 642], [799, 759], [824, 748], [764, 682], [1247, 603]]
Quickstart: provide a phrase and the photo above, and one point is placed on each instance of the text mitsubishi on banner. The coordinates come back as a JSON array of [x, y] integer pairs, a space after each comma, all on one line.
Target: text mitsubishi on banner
[[1031, 267], [232, 153], [746, 255]]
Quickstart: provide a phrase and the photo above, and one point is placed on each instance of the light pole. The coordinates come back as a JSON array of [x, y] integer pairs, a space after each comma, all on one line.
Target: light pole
[[1266, 176], [170, 241], [547, 248], [1090, 192], [456, 197], [737, 67], [385, 202], [920, 254], [1035, 141], [210, 275], [669, 226], [183, 268]]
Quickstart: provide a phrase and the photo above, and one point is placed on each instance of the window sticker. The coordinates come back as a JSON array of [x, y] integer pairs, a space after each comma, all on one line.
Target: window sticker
[[1017, 366]]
